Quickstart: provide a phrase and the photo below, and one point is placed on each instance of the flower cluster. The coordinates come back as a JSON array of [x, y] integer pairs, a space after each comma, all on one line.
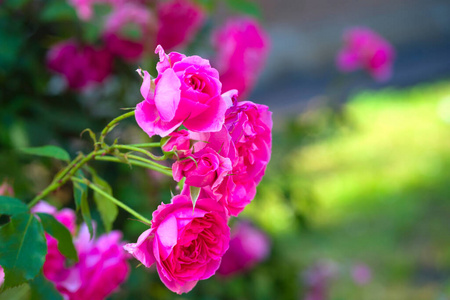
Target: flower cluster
[[222, 155], [102, 264], [366, 49]]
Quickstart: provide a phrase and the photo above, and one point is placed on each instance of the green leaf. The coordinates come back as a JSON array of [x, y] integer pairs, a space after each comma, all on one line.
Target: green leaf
[[58, 11], [61, 233], [22, 249], [80, 193], [195, 192], [12, 206], [20, 292], [48, 151], [41, 288], [245, 6], [107, 209]]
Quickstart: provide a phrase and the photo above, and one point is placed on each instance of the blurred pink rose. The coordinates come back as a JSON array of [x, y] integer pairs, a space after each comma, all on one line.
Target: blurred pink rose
[[119, 42], [242, 48], [6, 189], [248, 246], [187, 91], [187, 245], [102, 264], [55, 263], [179, 21], [2, 276], [208, 169], [318, 278], [366, 49], [361, 274], [101, 268], [80, 65]]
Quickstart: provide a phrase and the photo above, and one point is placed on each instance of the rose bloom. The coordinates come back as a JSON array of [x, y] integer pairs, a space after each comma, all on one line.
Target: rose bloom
[[208, 169], [116, 39], [248, 246], [186, 244], [102, 264], [179, 21], [187, 91], [242, 48], [366, 49], [178, 141], [80, 65]]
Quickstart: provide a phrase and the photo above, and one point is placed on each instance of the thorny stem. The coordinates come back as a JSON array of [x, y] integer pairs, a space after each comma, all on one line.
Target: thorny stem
[[112, 124]]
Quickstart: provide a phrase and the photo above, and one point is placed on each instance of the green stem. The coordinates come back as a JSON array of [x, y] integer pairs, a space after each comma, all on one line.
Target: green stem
[[146, 145], [112, 199], [137, 163], [143, 151], [113, 123]]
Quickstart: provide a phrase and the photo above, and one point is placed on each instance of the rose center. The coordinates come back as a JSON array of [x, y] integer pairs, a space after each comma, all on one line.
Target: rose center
[[195, 82]]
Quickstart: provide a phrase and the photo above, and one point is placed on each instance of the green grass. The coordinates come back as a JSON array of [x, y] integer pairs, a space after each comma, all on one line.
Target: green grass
[[381, 189]]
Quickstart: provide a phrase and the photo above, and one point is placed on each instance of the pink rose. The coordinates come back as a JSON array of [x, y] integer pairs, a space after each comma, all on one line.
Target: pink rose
[[250, 127], [102, 264], [118, 42], [186, 244], [208, 169], [242, 48], [178, 141], [54, 267], [179, 21], [248, 246], [102, 267], [80, 65], [187, 91], [366, 49]]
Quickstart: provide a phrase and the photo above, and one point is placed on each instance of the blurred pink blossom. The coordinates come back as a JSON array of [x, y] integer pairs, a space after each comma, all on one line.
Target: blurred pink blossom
[[366, 49], [118, 41], [179, 21], [248, 247], [361, 274], [2, 276], [80, 65], [6, 189], [317, 280], [242, 48]]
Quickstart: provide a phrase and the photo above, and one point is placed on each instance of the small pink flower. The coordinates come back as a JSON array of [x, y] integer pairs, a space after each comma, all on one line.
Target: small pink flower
[[178, 141], [248, 247], [128, 15], [179, 21], [366, 49], [208, 169], [80, 65], [6, 189], [187, 245], [361, 274], [187, 91], [242, 47]]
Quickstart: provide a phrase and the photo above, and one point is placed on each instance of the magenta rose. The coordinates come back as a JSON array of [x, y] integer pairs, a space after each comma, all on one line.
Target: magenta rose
[[187, 91], [101, 268], [178, 141], [179, 21], [208, 169], [242, 48], [79, 65], [120, 42], [366, 49], [248, 247], [250, 127], [187, 245]]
